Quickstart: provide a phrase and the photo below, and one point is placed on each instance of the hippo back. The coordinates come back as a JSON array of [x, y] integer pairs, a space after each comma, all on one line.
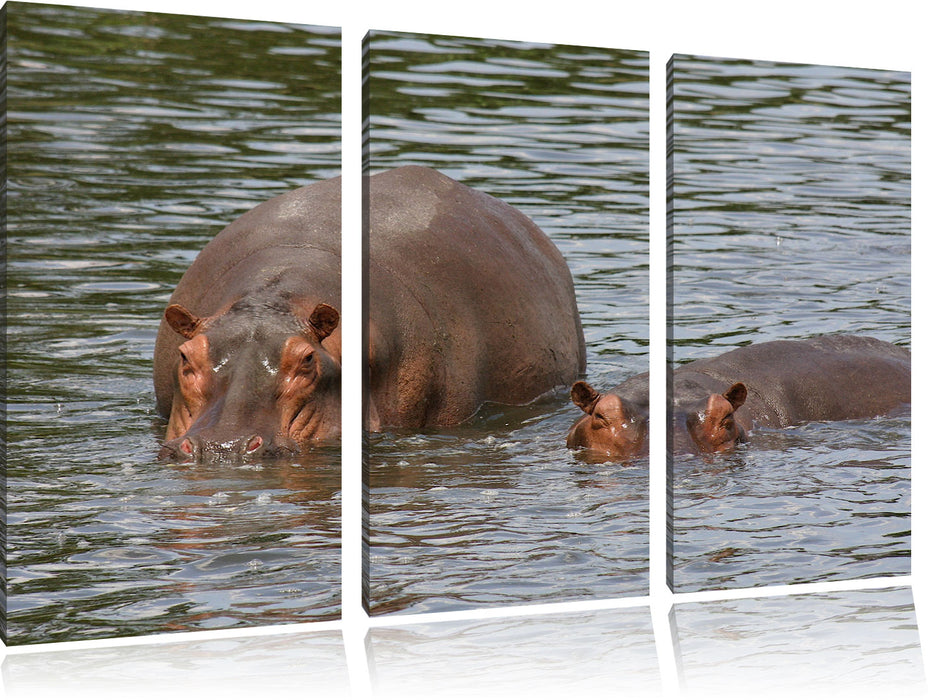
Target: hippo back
[[468, 301], [834, 377]]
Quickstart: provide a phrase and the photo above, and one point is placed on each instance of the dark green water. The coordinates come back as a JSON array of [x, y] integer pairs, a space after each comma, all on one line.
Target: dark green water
[[133, 139]]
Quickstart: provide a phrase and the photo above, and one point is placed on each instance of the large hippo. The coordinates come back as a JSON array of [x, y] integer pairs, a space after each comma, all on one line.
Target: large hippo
[[716, 401], [248, 356], [467, 302]]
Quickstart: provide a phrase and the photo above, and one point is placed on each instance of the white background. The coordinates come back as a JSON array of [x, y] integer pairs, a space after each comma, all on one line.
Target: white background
[[894, 35]]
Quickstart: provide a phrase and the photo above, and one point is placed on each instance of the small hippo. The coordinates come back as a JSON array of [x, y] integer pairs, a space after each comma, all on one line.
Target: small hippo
[[615, 423], [715, 402]]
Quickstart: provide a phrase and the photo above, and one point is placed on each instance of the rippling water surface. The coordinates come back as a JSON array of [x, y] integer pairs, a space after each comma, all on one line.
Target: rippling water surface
[[134, 138], [791, 218], [498, 511]]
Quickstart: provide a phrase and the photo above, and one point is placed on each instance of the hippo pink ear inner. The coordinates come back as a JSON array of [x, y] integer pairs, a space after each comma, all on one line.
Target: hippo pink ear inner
[[323, 321], [584, 396], [182, 321]]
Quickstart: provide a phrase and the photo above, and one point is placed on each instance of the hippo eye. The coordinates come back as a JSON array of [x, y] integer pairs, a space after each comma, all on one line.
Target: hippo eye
[[308, 362], [186, 369]]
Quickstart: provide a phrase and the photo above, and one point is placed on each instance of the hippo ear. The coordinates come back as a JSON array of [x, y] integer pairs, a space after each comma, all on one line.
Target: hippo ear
[[182, 321], [584, 396], [323, 320], [736, 395]]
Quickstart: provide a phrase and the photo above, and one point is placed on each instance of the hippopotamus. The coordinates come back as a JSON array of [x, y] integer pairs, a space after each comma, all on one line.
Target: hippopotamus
[[248, 354], [467, 302], [615, 424], [715, 402]]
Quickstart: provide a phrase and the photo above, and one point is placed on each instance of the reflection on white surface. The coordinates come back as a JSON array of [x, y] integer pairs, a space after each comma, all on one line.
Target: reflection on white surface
[[598, 654], [850, 644], [277, 666], [853, 644]]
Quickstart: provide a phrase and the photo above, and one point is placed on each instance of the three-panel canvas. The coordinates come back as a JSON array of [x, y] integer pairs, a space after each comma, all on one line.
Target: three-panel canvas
[[173, 328]]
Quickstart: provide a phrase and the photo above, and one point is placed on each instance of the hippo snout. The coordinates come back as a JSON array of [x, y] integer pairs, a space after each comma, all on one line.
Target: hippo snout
[[194, 448]]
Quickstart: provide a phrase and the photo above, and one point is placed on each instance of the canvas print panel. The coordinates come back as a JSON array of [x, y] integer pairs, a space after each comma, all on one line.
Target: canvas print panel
[[134, 138], [474, 505], [789, 283]]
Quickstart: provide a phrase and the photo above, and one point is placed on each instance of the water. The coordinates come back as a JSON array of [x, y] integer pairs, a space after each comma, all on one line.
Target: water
[[791, 219], [134, 138], [498, 511]]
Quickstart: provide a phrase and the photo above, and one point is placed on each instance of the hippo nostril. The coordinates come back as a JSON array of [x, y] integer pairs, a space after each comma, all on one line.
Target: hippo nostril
[[254, 444]]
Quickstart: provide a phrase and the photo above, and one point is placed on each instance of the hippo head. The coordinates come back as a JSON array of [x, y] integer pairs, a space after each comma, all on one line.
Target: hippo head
[[713, 426], [611, 427], [254, 380]]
